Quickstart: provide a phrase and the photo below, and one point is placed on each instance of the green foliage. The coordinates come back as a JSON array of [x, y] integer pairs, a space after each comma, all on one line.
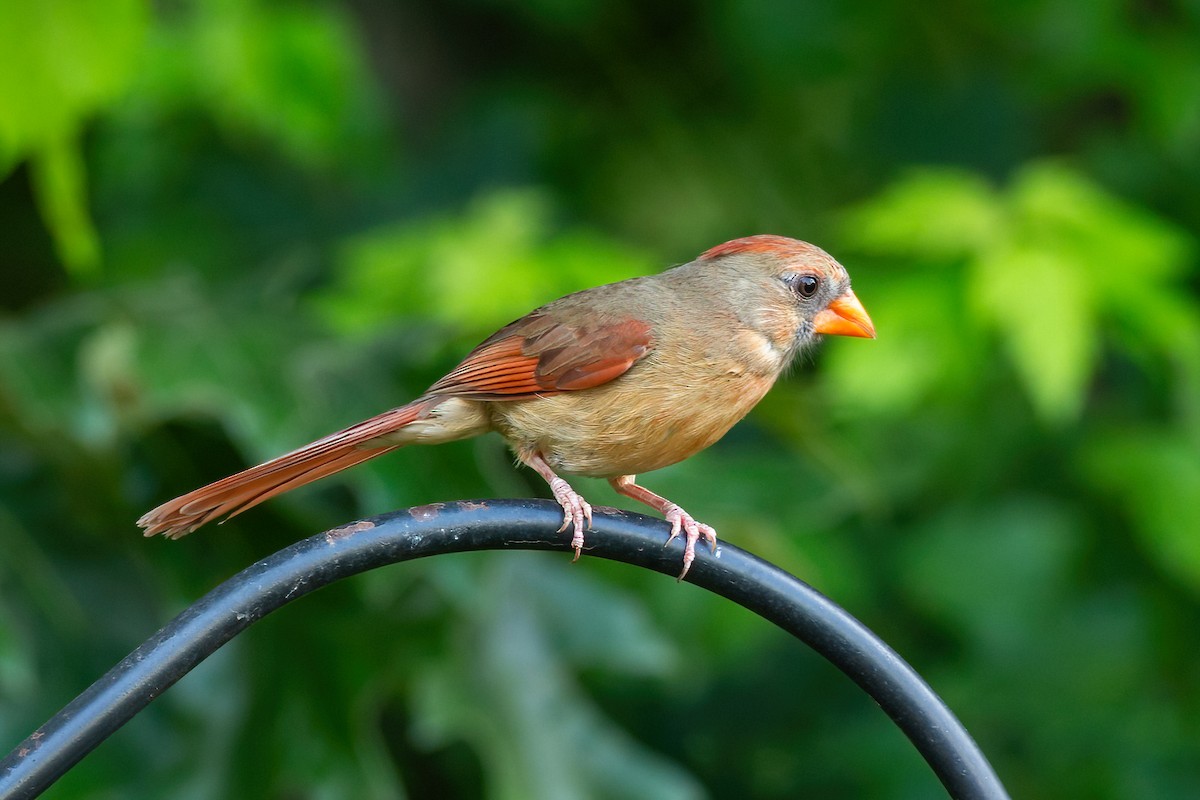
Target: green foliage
[[308, 211], [288, 73], [1156, 476], [1047, 266], [483, 267], [60, 62]]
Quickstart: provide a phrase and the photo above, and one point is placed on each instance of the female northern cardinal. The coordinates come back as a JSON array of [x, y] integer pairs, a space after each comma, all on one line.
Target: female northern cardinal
[[607, 382]]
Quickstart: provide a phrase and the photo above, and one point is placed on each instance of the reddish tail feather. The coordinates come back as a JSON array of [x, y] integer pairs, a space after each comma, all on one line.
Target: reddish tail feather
[[231, 496]]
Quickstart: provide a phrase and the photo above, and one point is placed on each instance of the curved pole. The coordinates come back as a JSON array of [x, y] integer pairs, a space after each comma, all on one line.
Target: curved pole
[[412, 533]]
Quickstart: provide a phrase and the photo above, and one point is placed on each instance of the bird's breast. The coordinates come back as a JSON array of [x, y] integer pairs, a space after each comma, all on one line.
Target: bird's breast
[[645, 420]]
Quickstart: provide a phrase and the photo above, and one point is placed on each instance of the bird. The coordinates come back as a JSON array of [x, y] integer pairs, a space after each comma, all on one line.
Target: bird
[[608, 382]]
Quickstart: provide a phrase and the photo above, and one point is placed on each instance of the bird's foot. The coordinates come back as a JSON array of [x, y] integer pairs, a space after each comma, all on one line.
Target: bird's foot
[[685, 523], [576, 512]]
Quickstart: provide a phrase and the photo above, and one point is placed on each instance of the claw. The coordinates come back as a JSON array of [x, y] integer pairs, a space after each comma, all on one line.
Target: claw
[[681, 521], [577, 512]]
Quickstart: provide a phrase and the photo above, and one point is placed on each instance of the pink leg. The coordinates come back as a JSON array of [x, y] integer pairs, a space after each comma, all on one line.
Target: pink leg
[[576, 510], [675, 515]]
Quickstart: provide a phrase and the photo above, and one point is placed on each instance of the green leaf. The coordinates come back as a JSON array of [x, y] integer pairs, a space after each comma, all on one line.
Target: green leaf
[[1073, 256], [1156, 477], [928, 213], [60, 62], [1041, 302], [60, 181], [292, 73], [1049, 264]]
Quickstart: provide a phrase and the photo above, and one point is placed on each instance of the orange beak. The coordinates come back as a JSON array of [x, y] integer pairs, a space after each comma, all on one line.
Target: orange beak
[[845, 317]]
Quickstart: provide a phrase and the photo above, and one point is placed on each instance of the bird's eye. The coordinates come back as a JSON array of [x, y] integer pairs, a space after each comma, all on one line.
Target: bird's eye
[[805, 285]]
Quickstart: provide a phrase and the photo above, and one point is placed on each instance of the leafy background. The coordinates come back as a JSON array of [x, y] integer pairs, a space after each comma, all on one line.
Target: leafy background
[[229, 226]]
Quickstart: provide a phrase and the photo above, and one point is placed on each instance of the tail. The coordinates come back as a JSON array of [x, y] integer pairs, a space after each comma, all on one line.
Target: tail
[[233, 495]]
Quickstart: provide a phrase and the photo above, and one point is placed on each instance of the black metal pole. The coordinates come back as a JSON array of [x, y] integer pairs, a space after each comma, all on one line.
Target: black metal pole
[[295, 571]]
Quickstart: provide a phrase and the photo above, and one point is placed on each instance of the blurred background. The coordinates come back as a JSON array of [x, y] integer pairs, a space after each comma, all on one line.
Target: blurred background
[[230, 226]]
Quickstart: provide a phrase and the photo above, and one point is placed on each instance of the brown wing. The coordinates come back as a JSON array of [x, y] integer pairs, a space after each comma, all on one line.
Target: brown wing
[[537, 355]]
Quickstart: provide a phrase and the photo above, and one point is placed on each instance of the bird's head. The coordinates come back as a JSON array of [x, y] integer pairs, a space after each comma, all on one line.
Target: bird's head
[[813, 281]]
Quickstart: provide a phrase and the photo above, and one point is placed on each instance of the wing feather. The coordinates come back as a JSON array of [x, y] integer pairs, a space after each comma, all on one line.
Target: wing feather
[[537, 355]]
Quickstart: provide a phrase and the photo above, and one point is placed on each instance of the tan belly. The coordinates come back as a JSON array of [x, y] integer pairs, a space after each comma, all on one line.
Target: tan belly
[[628, 427]]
